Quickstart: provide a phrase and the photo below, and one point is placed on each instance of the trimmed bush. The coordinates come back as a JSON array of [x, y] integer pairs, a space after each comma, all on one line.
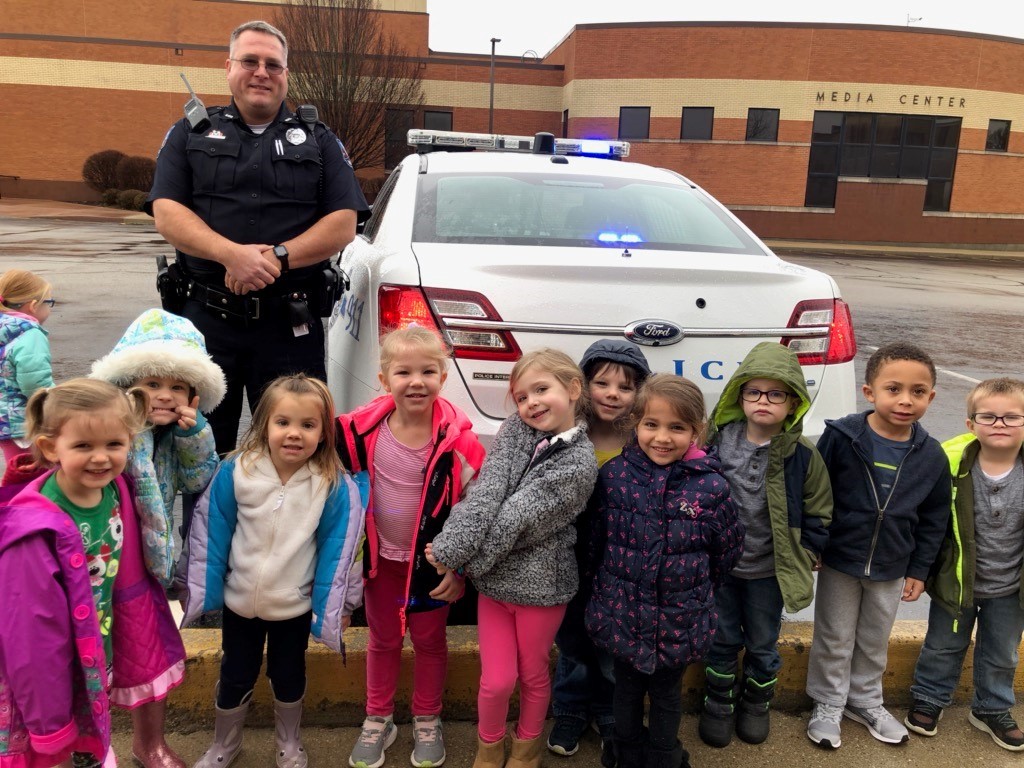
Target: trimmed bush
[[109, 197], [135, 172], [100, 169], [131, 199]]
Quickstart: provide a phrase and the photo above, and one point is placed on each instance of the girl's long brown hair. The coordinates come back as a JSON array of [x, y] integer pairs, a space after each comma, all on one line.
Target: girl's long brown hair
[[254, 442]]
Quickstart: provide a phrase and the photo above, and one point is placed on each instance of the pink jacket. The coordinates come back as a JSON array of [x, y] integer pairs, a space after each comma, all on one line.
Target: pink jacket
[[50, 624], [455, 460]]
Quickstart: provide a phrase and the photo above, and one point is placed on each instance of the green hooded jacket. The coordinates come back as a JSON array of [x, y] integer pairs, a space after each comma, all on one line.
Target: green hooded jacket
[[951, 583], [797, 483]]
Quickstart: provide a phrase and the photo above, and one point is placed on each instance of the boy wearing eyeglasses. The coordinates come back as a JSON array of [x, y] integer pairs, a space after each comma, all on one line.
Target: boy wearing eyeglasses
[[978, 576], [891, 492], [780, 485]]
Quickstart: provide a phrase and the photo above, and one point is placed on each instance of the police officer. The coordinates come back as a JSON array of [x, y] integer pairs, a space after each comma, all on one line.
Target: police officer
[[255, 203]]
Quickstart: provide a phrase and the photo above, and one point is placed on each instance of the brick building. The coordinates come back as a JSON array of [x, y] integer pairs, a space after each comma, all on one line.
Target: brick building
[[822, 131]]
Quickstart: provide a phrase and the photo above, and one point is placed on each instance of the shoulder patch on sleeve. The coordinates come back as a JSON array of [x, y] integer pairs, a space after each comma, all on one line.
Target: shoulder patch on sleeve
[[166, 136], [344, 152]]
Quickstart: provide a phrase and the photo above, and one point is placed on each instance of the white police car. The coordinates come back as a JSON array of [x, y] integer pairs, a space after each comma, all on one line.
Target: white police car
[[531, 242]]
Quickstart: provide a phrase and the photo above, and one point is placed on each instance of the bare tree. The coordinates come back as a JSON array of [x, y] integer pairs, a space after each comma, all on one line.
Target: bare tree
[[343, 61]]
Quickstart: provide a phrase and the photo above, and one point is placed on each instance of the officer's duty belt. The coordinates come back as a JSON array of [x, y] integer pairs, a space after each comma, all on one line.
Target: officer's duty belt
[[229, 306]]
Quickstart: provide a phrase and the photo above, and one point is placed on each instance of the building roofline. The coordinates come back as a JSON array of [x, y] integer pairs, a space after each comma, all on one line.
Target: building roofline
[[791, 25]]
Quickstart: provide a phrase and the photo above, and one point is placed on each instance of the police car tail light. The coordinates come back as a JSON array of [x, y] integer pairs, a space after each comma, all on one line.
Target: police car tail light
[[457, 312], [401, 306], [836, 342]]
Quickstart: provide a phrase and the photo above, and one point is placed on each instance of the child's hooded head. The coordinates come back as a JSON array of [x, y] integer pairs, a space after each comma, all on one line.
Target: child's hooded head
[[162, 348]]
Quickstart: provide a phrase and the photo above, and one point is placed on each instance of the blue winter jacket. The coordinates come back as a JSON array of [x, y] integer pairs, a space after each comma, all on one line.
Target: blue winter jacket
[[884, 538]]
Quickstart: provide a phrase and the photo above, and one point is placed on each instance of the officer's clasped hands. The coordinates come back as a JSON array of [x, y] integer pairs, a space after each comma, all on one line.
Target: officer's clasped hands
[[251, 268]]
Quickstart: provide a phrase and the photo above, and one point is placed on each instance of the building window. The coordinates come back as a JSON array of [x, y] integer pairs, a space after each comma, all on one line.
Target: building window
[[634, 122], [697, 123], [437, 121], [762, 124], [397, 124], [998, 136], [565, 123], [882, 146]]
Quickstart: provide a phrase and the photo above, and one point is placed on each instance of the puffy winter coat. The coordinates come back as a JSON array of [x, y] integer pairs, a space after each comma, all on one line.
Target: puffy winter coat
[[162, 462], [454, 461], [666, 536], [53, 694], [24, 368]]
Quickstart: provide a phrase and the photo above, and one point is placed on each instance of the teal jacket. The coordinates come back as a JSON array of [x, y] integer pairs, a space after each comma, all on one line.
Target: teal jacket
[[162, 462], [797, 483], [24, 368], [951, 582]]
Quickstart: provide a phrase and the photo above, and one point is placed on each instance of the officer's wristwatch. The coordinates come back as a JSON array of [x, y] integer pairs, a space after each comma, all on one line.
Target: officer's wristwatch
[[282, 254]]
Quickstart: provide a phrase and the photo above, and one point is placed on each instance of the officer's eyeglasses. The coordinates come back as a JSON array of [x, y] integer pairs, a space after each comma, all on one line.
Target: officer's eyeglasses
[[990, 419], [251, 65], [775, 396]]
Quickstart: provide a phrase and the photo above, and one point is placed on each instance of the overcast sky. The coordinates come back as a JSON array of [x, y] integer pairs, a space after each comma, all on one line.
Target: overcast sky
[[537, 25]]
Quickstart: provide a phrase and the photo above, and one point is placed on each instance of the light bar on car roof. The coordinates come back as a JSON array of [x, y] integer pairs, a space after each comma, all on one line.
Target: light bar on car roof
[[436, 141]]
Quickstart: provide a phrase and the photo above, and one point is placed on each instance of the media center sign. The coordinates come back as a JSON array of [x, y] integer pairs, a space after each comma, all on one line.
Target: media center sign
[[848, 98]]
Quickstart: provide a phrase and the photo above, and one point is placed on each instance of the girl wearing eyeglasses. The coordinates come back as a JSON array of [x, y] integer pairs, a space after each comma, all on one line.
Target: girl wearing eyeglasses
[[25, 304]]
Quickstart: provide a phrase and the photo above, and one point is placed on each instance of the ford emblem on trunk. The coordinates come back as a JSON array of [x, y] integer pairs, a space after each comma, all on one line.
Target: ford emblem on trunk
[[654, 333]]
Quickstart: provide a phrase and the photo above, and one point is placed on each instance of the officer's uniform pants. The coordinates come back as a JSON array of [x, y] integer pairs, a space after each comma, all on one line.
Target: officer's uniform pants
[[251, 357]]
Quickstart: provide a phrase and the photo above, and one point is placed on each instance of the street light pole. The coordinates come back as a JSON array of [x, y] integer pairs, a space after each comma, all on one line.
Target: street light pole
[[490, 113]]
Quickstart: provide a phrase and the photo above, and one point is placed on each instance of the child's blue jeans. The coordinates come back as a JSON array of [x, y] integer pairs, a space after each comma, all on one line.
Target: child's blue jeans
[[749, 616], [584, 676], [1000, 623]]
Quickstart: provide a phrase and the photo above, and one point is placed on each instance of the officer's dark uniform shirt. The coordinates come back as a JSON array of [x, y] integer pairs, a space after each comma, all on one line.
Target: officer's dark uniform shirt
[[254, 188]]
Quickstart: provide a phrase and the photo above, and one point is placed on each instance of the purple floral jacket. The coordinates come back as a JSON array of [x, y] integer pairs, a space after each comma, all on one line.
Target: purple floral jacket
[[54, 692]]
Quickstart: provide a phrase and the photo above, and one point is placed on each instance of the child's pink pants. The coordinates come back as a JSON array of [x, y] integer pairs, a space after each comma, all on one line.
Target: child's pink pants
[[515, 644], [383, 596]]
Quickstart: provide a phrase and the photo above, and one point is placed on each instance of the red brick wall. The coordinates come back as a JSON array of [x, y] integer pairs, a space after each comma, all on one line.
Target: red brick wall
[[882, 212]]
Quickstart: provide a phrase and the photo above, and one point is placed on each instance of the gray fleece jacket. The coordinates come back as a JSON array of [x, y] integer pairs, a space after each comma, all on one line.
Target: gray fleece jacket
[[513, 532]]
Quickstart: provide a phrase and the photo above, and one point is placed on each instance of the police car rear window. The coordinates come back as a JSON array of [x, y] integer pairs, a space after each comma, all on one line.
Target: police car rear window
[[572, 211]]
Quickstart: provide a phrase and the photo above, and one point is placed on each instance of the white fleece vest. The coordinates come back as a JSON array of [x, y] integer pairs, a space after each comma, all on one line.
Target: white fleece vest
[[273, 550]]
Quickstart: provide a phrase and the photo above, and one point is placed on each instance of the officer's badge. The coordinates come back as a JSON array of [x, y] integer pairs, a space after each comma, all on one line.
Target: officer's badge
[[215, 134], [295, 135]]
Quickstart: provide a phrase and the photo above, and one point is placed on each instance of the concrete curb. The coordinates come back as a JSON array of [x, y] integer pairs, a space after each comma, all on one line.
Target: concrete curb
[[336, 693]]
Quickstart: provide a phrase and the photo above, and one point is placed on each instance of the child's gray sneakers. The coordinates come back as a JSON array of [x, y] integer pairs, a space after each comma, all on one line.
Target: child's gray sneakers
[[428, 741], [879, 722], [823, 729], [378, 734]]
